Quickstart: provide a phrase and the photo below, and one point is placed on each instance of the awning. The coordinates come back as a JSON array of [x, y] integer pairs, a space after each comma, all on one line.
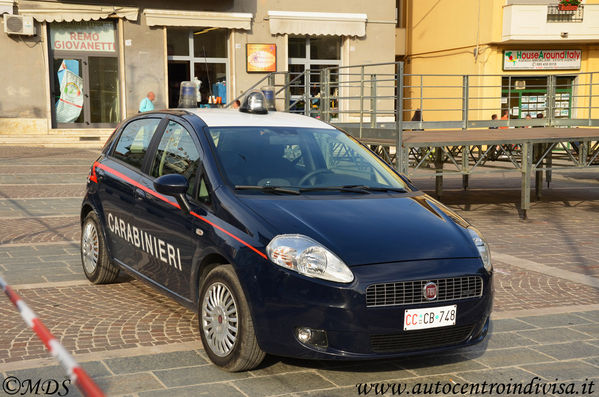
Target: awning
[[229, 20], [317, 23], [6, 6], [43, 11]]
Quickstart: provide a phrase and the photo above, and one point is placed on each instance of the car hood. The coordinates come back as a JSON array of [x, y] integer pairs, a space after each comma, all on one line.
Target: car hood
[[369, 229]]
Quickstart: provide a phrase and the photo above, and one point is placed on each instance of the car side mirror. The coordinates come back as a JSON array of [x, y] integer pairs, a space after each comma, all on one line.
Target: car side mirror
[[174, 185]]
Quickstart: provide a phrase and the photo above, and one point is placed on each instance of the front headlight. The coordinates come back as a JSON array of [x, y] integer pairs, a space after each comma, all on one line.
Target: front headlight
[[482, 246], [307, 257]]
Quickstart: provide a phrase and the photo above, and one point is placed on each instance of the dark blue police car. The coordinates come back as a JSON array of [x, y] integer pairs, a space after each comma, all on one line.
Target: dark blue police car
[[286, 235]]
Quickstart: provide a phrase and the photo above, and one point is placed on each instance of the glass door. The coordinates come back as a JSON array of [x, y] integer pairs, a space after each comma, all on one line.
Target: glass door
[[313, 54], [104, 107], [69, 92]]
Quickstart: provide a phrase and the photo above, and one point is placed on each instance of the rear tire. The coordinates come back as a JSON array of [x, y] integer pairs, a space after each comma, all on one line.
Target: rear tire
[[94, 257], [226, 325]]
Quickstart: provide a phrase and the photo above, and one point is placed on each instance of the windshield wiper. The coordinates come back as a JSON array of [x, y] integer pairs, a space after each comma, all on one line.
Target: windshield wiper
[[350, 189], [377, 188], [267, 189]]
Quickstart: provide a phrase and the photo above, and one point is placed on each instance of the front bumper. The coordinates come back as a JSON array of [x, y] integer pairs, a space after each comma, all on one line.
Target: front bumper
[[284, 300]]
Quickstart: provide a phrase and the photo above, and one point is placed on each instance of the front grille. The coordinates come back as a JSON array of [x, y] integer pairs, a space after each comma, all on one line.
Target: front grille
[[420, 339], [410, 292]]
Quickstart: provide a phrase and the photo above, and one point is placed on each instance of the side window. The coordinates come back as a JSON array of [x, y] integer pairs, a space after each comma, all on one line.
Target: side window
[[203, 195], [134, 141], [176, 154]]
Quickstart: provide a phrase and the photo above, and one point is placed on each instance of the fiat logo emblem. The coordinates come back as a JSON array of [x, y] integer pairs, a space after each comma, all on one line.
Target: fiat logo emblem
[[430, 291]]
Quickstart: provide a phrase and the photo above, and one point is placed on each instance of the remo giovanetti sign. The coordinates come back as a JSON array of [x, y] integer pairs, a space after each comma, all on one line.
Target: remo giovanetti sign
[[541, 59], [83, 36]]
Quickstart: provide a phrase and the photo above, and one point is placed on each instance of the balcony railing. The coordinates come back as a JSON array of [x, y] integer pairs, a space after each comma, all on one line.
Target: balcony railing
[[554, 14]]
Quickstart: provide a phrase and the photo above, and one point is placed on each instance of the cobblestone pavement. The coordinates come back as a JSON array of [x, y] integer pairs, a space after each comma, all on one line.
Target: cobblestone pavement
[[134, 341]]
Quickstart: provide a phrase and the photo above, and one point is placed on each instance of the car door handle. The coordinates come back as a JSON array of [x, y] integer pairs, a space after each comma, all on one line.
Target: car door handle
[[140, 194], [99, 174]]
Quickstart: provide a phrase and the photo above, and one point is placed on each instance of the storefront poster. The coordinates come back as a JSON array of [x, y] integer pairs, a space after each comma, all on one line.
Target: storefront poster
[[542, 59], [261, 58], [70, 104], [83, 36]]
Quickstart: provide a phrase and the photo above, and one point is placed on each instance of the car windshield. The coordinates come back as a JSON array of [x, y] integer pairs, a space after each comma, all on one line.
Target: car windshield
[[279, 159]]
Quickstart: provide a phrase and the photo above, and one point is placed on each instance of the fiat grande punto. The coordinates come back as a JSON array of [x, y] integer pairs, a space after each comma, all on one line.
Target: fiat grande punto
[[286, 235]]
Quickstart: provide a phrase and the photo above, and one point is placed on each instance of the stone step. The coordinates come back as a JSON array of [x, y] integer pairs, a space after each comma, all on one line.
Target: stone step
[[55, 140], [59, 131]]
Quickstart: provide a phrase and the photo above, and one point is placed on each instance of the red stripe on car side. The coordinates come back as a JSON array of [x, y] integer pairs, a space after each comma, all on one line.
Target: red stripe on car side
[[163, 198], [229, 234]]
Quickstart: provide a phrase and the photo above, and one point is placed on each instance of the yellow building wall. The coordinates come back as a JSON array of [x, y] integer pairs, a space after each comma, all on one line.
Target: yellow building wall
[[463, 37]]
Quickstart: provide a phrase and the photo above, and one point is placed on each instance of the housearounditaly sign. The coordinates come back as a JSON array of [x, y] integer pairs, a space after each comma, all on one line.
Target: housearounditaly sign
[[541, 59]]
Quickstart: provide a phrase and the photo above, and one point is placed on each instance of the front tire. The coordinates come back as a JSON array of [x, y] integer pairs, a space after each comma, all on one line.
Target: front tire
[[226, 325], [94, 257]]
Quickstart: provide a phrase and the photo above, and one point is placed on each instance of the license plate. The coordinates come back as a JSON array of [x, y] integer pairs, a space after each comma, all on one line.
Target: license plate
[[430, 317]]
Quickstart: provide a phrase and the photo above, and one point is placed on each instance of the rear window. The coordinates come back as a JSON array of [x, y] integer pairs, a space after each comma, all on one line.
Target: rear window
[[134, 141]]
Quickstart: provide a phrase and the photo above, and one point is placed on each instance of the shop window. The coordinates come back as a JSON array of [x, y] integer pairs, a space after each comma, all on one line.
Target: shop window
[[208, 63], [177, 42], [325, 47], [84, 74], [210, 43], [529, 96], [297, 47], [311, 53]]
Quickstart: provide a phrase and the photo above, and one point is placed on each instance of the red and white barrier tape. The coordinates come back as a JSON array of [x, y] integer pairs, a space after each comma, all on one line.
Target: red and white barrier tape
[[77, 375]]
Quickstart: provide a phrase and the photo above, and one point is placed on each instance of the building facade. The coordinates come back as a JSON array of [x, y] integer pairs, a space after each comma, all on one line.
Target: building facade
[[511, 48], [87, 66]]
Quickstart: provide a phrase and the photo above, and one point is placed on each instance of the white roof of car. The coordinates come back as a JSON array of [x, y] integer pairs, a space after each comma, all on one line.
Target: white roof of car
[[235, 118]]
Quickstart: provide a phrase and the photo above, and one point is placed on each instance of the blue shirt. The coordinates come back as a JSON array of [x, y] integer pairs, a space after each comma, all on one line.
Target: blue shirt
[[146, 105]]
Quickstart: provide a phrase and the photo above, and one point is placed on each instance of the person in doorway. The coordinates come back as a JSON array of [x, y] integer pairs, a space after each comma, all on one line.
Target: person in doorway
[[528, 117], [236, 104], [505, 116], [493, 118], [147, 104], [539, 116], [417, 117]]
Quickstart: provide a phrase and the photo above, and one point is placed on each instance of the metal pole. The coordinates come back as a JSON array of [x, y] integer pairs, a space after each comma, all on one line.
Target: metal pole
[[271, 80], [590, 97], [373, 100], [287, 92], [361, 99], [439, 172], [525, 183], [325, 96], [583, 148], [421, 102], [509, 100], [550, 100], [465, 102], [328, 93], [323, 83], [307, 102], [466, 149], [401, 158]]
